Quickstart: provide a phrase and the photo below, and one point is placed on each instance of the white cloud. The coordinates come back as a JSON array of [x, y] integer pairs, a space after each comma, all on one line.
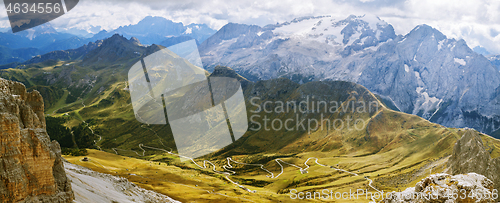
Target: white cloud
[[473, 21]]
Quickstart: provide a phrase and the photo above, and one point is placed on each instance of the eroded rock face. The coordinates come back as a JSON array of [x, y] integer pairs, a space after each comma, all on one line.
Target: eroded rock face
[[470, 156], [31, 168]]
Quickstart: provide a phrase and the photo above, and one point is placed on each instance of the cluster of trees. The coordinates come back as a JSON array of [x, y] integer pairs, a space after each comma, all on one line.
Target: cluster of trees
[[73, 140], [74, 152]]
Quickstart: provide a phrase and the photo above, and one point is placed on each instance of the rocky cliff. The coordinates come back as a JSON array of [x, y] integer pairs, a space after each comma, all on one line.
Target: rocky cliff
[[470, 156], [31, 168]]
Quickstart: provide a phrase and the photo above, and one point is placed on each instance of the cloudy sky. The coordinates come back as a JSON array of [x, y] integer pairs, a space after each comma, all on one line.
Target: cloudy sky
[[476, 21]]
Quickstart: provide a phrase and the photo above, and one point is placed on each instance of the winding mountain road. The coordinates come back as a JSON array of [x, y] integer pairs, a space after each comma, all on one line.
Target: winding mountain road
[[228, 172]]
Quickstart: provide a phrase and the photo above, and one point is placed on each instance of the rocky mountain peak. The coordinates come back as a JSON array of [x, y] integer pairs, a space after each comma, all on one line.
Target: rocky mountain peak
[[470, 156], [153, 19], [367, 30], [114, 49], [45, 28], [31, 168], [152, 24], [224, 71], [32, 33], [135, 41], [426, 30], [156, 22], [495, 60], [115, 39], [152, 49], [232, 30], [371, 20]]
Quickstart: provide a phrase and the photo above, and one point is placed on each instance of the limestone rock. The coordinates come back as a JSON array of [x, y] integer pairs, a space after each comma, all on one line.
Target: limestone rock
[[470, 156], [31, 168], [94, 187], [446, 188]]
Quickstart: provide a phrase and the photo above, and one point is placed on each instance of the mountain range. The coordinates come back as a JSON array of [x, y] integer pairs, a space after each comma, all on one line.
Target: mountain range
[[155, 30], [422, 73], [394, 149], [22, 46]]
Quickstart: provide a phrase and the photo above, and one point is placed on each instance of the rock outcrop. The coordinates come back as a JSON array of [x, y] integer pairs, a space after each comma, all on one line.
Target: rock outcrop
[[446, 188], [470, 156], [92, 187], [31, 167]]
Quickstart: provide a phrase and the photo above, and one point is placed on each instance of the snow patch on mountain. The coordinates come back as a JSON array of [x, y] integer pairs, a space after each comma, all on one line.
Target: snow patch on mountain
[[440, 44], [460, 61], [426, 103]]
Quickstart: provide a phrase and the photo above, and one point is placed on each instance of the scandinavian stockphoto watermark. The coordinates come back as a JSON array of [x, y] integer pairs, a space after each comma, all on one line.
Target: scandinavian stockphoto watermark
[[327, 194], [322, 114], [434, 193], [205, 113]]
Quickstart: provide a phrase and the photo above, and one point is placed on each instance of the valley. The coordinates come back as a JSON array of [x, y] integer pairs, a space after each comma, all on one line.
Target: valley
[[164, 173], [394, 146]]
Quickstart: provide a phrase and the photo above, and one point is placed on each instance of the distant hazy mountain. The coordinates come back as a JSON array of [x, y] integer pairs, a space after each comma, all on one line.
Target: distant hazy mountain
[[422, 73], [43, 37], [154, 30], [85, 33], [481, 50], [176, 40], [8, 55], [65, 55], [495, 60]]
